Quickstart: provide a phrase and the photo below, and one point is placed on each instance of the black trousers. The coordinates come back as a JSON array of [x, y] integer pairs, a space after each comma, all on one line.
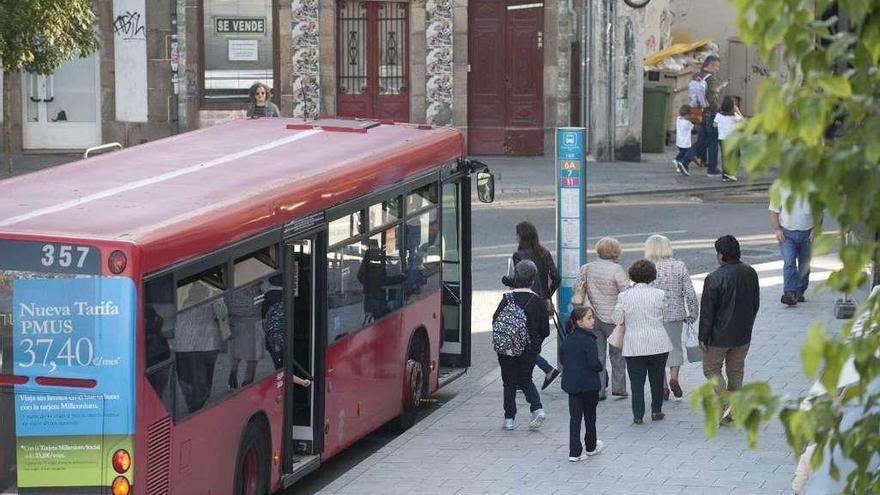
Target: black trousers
[[652, 366], [582, 407], [195, 374], [516, 373]]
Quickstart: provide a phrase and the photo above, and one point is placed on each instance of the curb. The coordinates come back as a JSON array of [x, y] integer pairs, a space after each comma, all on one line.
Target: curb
[[605, 197], [599, 198]]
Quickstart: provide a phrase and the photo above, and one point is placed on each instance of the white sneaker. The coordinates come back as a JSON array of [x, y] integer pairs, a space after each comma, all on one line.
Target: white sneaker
[[579, 458], [509, 425], [538, 418], [599, 446]]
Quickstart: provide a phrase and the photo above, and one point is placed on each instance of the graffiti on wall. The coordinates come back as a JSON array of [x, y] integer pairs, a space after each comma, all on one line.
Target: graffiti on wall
[[438, 34], [306, 62], [130, 26]]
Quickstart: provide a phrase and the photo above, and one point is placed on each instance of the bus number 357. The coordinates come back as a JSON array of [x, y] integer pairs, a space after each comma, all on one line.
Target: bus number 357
[[65, 255]]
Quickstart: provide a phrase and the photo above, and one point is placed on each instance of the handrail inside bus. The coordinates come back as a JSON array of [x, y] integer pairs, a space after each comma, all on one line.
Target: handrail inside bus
[[102, 148]]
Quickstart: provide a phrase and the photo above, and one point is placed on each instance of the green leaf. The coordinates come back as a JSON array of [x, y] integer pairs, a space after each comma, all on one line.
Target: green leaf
[[811, 353], [836, 85], [822, 244]]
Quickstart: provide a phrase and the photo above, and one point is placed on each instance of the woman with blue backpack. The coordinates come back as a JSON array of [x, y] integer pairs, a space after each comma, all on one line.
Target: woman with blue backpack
[[519, 325]]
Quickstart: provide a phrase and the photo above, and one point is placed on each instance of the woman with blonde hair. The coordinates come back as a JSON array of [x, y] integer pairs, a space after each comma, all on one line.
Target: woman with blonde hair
[[680, 300], [598, 284]]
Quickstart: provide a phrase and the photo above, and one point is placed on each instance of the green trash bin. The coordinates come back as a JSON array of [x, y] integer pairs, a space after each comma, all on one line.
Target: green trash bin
[[654, 118]]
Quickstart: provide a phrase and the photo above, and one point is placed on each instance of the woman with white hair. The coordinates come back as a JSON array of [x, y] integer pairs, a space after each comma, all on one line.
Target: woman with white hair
[[681, 303]]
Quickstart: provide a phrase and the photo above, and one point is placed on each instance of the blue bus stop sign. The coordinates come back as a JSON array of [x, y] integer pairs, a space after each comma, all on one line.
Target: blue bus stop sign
[[571, 220]]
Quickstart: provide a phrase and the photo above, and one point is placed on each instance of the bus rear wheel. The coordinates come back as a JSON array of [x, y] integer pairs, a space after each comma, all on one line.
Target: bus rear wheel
[[252, 464], [414, 384]]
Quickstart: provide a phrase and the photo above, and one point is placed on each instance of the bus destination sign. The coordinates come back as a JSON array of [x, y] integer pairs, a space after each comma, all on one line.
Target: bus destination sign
[[49, 257]]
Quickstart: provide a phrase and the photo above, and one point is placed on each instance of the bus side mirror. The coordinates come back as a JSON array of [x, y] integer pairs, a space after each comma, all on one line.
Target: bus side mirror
[[486, 187]]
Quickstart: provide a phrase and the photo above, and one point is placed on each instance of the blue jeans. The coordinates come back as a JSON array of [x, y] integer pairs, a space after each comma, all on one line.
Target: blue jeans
[[516, 373], [681, 153], [707, 141], [796, 261], [542, 363]]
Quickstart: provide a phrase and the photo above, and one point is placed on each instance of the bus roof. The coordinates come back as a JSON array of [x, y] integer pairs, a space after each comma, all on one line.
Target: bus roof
[[189, 194]]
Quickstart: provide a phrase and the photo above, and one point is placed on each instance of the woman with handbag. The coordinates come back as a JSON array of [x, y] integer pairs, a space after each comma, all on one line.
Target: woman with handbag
[[681, 303], [546, 281], [646, 344], [598, 285]]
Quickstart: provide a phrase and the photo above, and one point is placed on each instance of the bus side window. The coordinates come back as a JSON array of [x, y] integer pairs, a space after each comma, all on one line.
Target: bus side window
[[159, 316], [345, 293], [381, 276], [422, 255]]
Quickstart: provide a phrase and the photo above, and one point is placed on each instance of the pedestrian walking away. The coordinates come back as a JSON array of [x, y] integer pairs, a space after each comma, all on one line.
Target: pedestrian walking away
[[731, 297], [793, 227], [680, 300], [725, 122], [641, 309], [520, 310], [580, 380], [703, 92], [546, 282], [598, 285], [683, 130]]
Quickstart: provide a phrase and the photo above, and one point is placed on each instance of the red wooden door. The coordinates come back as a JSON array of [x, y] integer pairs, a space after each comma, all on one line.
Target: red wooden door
[[506, 80], [371, 59]]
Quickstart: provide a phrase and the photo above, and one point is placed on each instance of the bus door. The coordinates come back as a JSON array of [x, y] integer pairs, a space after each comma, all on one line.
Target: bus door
[[304, 407], [455, 352]]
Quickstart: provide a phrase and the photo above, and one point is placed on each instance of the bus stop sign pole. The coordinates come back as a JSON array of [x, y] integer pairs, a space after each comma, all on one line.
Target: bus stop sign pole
[[571, 218]]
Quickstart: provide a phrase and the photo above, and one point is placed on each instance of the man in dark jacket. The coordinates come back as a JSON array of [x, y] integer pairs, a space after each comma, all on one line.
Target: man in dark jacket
[[731, 297]]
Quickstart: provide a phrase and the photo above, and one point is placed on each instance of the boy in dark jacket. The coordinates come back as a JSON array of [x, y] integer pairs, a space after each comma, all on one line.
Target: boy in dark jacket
[[516, 371], [580, 380]]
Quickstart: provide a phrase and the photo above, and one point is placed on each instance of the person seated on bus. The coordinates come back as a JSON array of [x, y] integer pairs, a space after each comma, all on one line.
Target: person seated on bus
[[373, 276], [158, 350], [259, 105]]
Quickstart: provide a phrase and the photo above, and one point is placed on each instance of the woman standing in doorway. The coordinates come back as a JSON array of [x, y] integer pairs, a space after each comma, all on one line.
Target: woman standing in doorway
[[259, 105]]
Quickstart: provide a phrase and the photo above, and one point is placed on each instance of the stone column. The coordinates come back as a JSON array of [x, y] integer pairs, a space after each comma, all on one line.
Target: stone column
[[306, 66], [438, 61]]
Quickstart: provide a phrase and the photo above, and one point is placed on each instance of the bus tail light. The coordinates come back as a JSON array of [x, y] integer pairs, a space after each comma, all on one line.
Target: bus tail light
[[121, 486], [121, 461], [117, 262]]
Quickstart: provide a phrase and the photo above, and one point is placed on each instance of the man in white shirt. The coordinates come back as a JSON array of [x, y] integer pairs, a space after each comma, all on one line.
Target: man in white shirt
[[793, 227]]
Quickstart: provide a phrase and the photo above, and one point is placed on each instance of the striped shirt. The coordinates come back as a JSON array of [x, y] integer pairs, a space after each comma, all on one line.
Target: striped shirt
[[681, 299], [641, 309], [603, 280]]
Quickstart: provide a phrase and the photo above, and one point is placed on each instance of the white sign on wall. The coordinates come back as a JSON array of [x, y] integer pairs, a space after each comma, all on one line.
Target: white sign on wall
[[244, 50], [130, 59]]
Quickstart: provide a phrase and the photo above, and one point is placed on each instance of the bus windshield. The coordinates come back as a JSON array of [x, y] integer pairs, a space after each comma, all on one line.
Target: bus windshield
[[66, 367]]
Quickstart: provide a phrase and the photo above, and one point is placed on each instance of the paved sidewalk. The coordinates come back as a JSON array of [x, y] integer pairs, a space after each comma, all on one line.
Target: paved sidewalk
[[461, 449], [654, 174]]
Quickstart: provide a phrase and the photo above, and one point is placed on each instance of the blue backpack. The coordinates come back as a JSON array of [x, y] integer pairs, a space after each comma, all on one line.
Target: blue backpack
[[510, 331]]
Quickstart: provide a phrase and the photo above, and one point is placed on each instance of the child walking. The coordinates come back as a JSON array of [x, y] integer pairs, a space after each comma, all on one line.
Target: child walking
[[580, 380], [725, 121], [683, 129]]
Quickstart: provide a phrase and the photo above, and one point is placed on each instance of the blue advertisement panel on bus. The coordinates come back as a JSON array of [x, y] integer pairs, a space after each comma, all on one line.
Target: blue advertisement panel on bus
[[571, 187], [80, 330]]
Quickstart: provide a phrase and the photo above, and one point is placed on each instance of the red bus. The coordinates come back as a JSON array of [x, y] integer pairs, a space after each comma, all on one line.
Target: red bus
[[156, 303]]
